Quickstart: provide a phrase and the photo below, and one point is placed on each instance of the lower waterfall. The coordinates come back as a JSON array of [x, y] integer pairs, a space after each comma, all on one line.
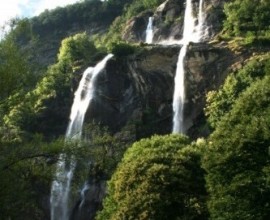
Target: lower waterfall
[[192, 33], [60, 188]]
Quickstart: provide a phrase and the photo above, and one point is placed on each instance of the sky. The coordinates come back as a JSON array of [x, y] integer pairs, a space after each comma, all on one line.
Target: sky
[[27, 8]]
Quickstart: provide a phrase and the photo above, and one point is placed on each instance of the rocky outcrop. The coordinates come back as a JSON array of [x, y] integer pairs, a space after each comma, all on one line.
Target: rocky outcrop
[[168, 21], [205, 69], [138, 90], [135, 29], [169, 18], [86, 207]]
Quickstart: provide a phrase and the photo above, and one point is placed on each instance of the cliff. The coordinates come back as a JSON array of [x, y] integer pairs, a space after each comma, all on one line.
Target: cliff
[[138, 89]]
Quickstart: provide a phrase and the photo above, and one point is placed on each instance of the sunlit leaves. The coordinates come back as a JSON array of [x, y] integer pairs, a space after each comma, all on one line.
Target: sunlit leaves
[[220, 102], [158, 178], [237, 157], [245, 16]]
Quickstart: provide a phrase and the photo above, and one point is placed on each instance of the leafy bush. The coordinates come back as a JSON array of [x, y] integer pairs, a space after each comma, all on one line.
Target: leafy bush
[[26, 177], [158, 178], [245, 16], [77, 48], [220, 102], [122, 49], [237, 160], [15, 71]]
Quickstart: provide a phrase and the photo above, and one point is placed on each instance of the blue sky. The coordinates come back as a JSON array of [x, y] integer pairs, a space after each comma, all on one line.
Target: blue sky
[[27, 8]]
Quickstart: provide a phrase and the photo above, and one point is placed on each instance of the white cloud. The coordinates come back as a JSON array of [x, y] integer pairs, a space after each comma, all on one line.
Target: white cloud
[[9, 9], [27, 8]]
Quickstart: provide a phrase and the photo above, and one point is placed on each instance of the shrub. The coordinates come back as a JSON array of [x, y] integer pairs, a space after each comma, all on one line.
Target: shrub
[[158, 178], [237, 160], [220, 102]]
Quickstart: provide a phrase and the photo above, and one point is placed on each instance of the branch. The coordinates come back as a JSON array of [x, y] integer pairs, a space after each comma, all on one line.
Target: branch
[[25, 158]]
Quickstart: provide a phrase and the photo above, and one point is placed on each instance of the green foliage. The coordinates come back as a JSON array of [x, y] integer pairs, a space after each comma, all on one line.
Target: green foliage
[[247, 16], [237, 160], [122, 49], [102, 148], [220, 102], [158, 178], [96, 155], [42, 35], [15, 71], [141, 5], [46, 108], [44, 105], [77, 48], [82, 14], [25, 177]]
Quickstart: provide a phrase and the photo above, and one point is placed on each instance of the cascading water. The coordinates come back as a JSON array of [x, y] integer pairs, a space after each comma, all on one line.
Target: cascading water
[[60, 189], [192, 33], [201, 29], [149, 31]]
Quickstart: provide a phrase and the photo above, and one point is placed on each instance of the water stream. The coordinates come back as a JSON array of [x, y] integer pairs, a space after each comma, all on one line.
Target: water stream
[[191, 33], [149, 31], [61, 185]]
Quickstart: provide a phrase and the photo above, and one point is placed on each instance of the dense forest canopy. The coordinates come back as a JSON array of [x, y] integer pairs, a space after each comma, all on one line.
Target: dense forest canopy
[[224, 175]]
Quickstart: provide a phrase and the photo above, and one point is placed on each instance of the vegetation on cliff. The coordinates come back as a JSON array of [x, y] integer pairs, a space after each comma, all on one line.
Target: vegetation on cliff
[[224, 176]]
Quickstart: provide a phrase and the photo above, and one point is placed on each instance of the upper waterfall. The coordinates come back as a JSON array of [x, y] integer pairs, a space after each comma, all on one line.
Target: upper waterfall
[[60, 189], [83, 97], [149, 31]]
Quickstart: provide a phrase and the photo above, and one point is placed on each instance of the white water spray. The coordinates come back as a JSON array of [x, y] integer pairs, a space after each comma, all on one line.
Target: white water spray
[[86, 186], [60, 189], [149, 31], [201, 29], [192, 33]]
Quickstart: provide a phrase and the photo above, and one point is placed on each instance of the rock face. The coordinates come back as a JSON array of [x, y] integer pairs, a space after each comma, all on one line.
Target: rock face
[[86, 208], [135, 30], [168, 20], [138, 89], [206, 66]]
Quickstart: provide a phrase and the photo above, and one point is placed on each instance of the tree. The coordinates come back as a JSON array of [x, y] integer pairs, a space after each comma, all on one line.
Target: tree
[[46, 108], [26, 177], [220, 102], [15, 72], [237, 161], [158, 178], [247, 16]]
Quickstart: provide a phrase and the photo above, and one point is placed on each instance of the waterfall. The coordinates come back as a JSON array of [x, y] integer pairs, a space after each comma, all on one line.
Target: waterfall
[[149, 31], [179, 92], [191, 33], [201, 28], [60, 189], [86, 186]]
